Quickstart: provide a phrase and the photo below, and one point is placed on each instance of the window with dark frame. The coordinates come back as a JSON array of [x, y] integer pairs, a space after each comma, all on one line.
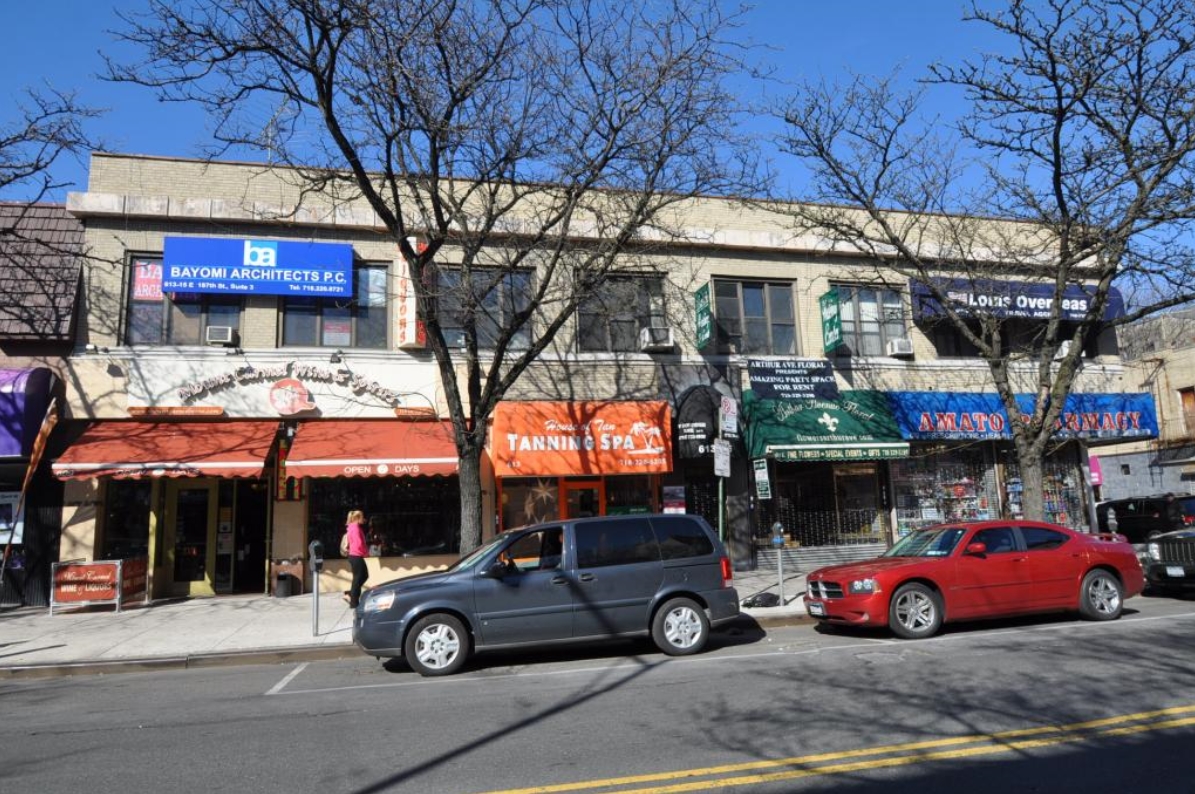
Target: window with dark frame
[[154, 317], [496, 298], [357, 322], [610, 319], [871, 318], [755, 317]]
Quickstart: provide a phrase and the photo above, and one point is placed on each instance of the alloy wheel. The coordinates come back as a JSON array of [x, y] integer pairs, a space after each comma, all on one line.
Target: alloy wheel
[[437, 646]]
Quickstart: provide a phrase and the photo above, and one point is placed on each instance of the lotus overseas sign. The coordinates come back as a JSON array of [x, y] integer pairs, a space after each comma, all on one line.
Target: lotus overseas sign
[[232, 266]]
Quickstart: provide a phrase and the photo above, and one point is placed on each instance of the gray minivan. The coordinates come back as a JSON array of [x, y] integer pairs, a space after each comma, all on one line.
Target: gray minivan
[[666, 576]]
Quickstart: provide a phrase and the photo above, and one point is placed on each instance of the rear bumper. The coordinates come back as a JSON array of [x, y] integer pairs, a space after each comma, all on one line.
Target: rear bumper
[[723, 605]]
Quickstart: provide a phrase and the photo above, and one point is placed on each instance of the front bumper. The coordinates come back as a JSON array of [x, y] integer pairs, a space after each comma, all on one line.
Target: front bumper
[[378, 636], [1170, 574], [851, 610]]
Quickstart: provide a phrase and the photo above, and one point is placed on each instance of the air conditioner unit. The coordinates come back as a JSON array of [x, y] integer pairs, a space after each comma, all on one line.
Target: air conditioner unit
[[220, 335], [656, 338], [1063, 348], [900, 348]]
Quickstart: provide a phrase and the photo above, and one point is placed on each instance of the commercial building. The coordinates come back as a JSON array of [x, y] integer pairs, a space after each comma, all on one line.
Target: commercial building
[[219, 431]]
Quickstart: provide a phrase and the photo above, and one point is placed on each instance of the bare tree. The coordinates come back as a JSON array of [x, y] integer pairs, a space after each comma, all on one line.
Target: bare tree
[[1071, 167], [527, 145], [48, 126]]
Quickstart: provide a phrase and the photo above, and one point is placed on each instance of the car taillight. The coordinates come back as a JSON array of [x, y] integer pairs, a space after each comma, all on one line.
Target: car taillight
[[727, 572]]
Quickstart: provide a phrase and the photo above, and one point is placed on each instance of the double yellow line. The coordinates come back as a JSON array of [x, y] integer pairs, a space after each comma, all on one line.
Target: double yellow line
[[894, 755]]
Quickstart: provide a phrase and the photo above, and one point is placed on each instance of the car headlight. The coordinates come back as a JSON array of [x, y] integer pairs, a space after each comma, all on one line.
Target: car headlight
[[380, 602], [864, 587], [1155, 552]]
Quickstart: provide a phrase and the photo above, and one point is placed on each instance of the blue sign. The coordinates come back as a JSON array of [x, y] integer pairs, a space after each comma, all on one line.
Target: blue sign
[[219, 265], [1033, 301], [969, 416]]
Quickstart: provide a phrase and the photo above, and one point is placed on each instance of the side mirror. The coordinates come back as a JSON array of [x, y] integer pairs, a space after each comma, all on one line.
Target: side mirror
[[977, 548], [494, 570]]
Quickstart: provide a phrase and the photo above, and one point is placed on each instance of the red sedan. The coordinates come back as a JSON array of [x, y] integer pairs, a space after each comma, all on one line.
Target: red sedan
[[969, 571]]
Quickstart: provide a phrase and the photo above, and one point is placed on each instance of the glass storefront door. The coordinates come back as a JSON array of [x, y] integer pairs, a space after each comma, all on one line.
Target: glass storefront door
[[190, 536], [584, 499]]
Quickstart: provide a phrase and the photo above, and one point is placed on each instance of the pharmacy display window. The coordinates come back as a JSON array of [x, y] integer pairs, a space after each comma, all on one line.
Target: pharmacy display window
[[937, 484]]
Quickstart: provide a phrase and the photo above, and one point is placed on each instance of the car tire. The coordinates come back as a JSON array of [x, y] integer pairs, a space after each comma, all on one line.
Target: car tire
[[680, 627], [437, 645], [915, 612], [1101, 596]]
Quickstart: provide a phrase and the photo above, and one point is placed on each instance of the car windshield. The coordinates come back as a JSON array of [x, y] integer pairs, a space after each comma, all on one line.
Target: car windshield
[[471, 559], [927, 543]]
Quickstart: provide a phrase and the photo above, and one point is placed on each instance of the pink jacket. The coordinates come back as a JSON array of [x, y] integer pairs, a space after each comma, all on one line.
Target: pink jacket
[[357, 547]]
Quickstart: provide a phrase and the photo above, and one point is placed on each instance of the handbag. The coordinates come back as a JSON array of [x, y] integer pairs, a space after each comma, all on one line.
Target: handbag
[[344, 545]]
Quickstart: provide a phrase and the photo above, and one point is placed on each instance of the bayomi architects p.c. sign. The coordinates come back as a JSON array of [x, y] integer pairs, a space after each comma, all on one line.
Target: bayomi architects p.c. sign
[[228, 266]]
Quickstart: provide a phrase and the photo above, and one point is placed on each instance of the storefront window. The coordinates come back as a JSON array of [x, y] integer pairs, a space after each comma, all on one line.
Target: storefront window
[[126, 519], [407, 517], [940, 484], [529, 500], [824, 504], [1061, 486], [630, 494]]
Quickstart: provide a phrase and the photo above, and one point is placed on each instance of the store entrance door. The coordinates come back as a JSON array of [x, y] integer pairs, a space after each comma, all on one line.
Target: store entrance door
[[857, 493], [190, 536], [584, 499]]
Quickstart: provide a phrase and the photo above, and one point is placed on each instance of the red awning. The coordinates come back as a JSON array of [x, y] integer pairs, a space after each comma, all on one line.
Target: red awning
[[168, 449], [371, 448]]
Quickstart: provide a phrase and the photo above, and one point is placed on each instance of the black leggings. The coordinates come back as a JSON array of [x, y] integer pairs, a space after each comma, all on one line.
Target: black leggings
[[360, 574]]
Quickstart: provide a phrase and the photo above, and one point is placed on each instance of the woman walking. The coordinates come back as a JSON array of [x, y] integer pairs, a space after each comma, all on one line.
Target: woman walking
[[355, 529]]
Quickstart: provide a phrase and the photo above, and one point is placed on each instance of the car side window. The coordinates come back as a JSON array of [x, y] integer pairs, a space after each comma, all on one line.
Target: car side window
[[602, 543], [541, 550], [999, 540], [1042, 539], [681, 537]]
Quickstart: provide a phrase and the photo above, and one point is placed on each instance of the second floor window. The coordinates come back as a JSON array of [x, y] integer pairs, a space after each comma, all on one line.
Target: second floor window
[[755, 317], [358, 322], [491, 299], [610, 320], [172, 318], [871, 317]]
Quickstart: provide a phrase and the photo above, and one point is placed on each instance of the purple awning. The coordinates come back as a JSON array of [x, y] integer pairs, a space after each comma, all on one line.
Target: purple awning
[[24, 396]]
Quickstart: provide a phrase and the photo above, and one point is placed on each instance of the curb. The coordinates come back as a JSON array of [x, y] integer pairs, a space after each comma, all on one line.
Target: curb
[[305, 653]]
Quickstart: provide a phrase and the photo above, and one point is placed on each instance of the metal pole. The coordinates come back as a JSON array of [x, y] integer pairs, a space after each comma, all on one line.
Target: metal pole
[[722, 509], [314, 600], [780, 571]]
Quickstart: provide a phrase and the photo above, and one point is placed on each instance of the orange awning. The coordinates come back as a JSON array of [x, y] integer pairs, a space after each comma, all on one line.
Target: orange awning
[[371, 448], [168, 449], [570, 438]]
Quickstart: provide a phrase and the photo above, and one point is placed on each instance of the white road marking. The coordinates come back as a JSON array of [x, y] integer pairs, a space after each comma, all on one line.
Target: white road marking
[[277, 688]]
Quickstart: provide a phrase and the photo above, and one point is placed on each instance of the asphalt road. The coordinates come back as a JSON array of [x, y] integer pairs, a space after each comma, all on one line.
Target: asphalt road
[[1047, 705]]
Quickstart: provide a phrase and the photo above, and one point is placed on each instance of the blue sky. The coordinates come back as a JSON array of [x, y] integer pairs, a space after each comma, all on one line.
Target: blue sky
[[56, 42]]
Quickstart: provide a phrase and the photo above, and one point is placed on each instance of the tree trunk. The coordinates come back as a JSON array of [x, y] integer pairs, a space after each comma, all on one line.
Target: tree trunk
[[1032, 498], [471, 498]]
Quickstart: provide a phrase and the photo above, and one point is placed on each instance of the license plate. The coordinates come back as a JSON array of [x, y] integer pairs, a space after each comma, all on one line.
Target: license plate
[[1175, 570], [816, 609]]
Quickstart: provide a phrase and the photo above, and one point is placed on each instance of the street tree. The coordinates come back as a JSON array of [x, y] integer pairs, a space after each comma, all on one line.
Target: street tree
[[48, 125], [517, 152], [1072, 166]]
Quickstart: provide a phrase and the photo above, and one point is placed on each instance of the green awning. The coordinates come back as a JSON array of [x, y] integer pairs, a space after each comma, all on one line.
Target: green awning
[[856, 426]]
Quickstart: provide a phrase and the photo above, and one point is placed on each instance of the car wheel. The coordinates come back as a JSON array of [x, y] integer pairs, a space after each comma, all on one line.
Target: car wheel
[[915, 612], [1101, 597], [680, 627], [437, 645]]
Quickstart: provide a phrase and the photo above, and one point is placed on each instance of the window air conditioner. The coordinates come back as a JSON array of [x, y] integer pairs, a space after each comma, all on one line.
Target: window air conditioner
[[220, 335], [655, 339], [900, 348], [1064, 347]]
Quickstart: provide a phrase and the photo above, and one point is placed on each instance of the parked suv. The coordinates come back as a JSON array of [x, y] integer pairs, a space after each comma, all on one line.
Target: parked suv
[[666, 576], [1140, 518]]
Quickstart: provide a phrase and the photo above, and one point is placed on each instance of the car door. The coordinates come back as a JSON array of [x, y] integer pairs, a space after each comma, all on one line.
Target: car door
[[532, 601], [618, 574], [1056, 565], [995, 582]]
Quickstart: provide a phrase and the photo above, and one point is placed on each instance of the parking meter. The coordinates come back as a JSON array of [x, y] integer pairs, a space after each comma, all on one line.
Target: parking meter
[[315, 555], [778, 544]]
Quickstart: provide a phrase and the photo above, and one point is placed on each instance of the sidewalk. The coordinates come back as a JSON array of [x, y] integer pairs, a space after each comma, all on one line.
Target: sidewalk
[[251, 629]]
